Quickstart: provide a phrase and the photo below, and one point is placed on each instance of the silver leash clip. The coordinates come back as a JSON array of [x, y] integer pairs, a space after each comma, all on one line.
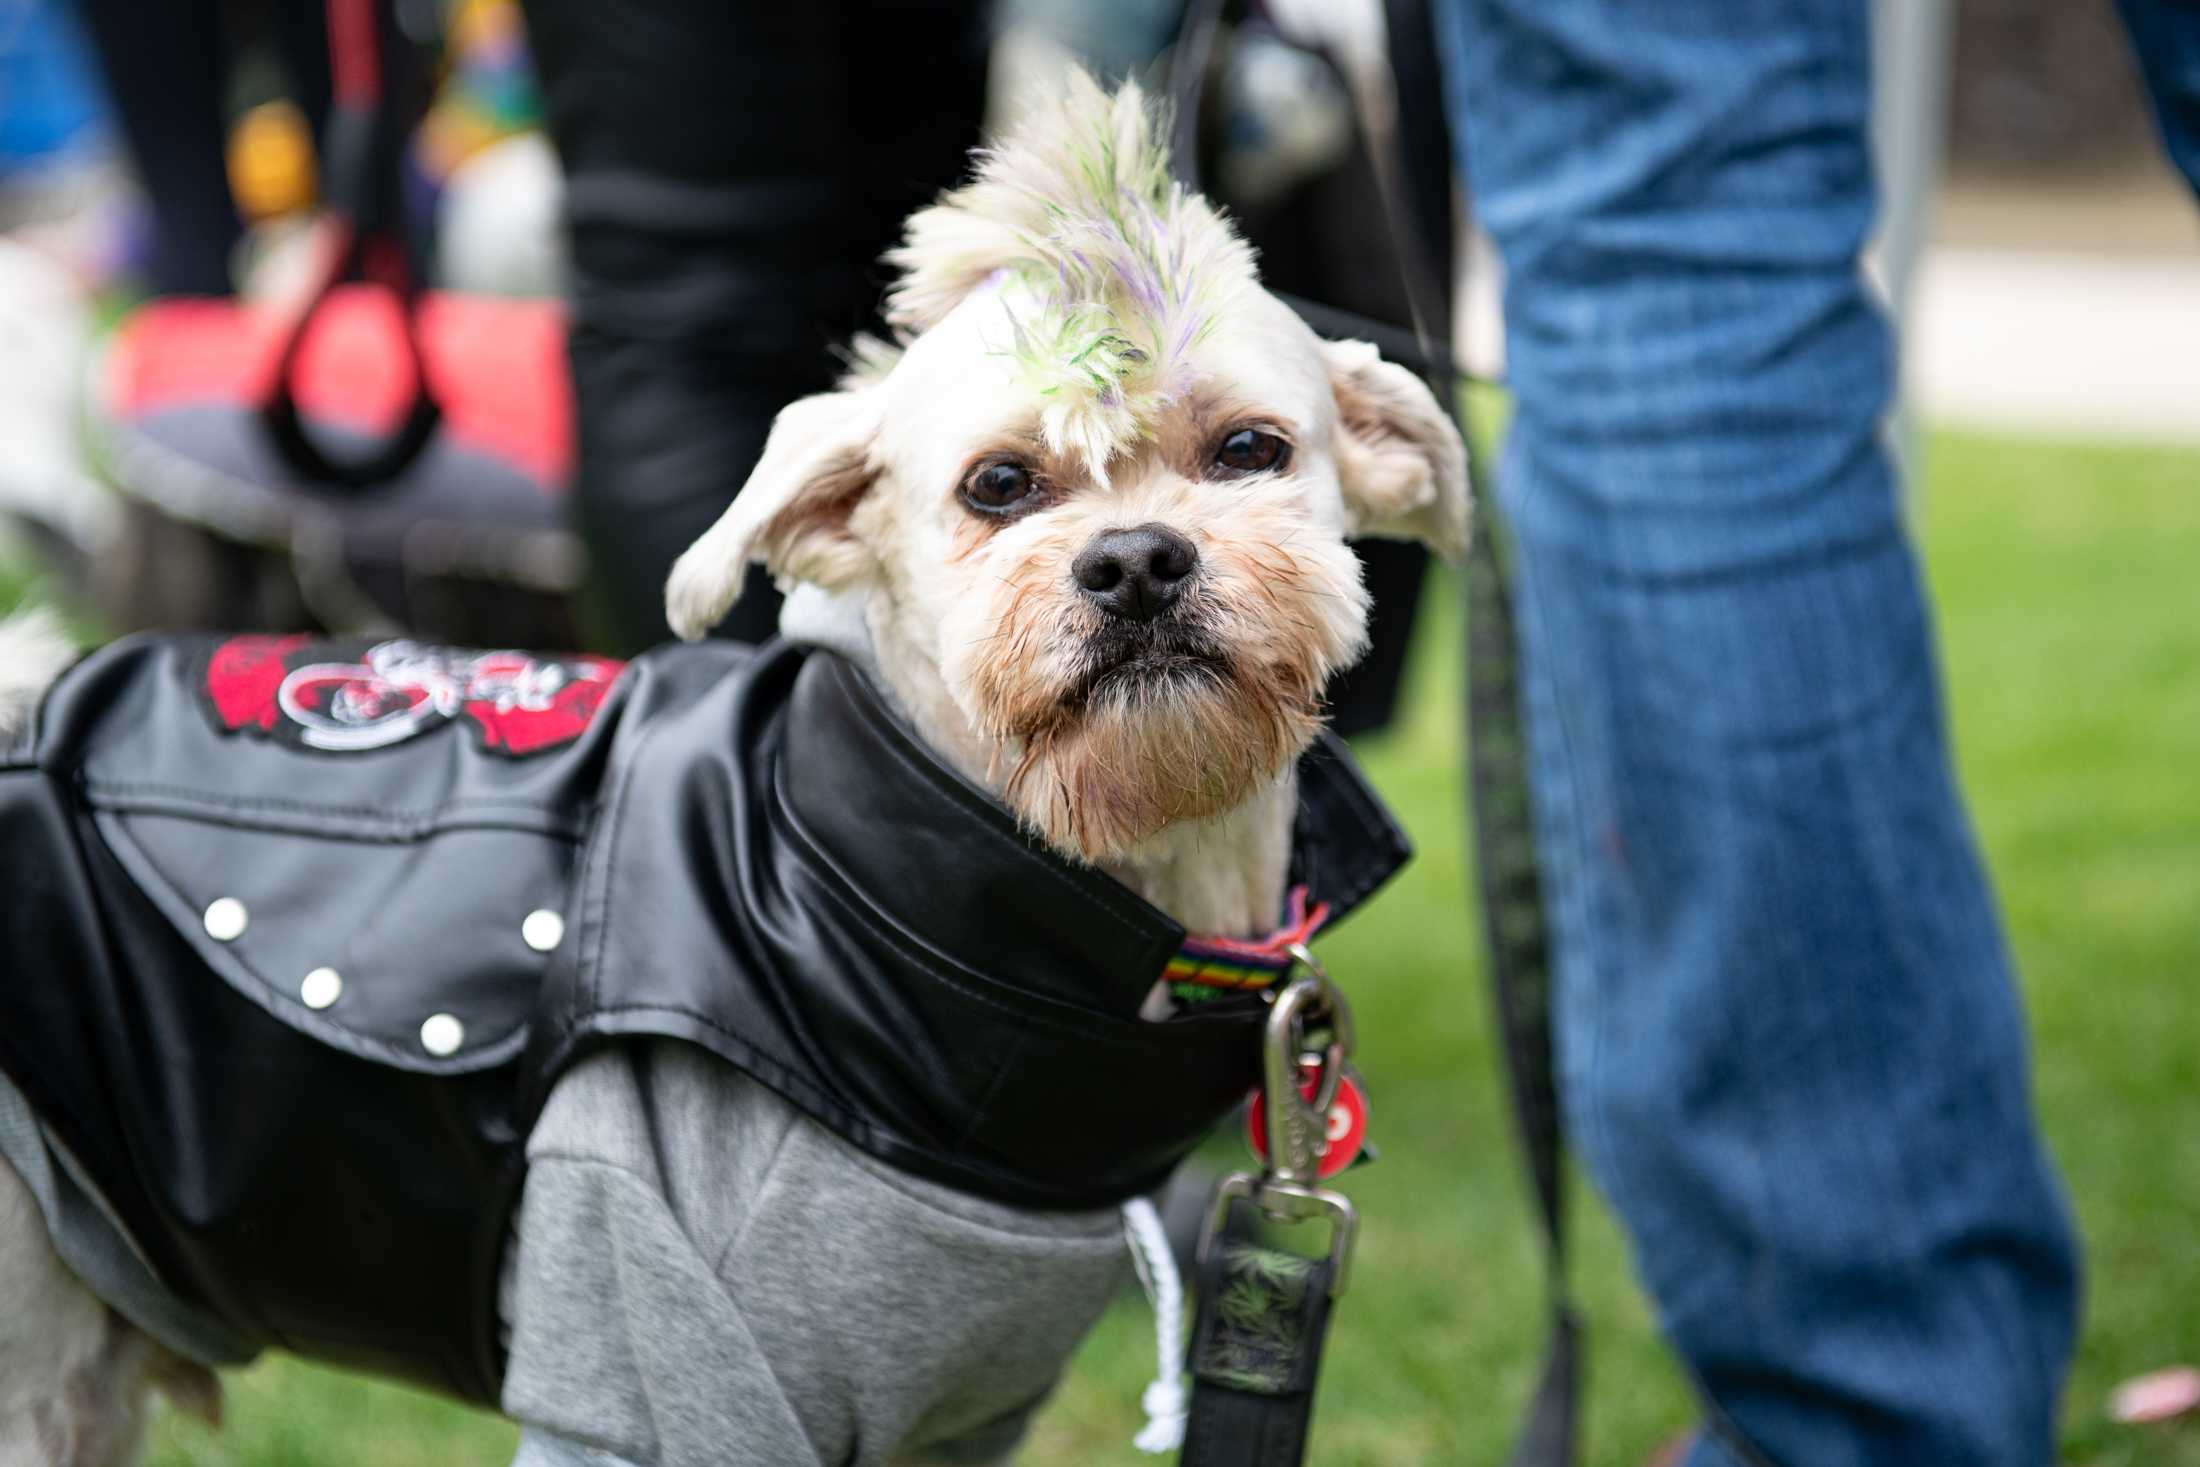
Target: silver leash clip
[[1289, 1189]]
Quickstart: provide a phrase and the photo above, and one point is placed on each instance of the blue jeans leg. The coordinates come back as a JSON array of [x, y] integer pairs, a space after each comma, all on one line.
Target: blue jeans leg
[[2165, 34], [1791, 1048]]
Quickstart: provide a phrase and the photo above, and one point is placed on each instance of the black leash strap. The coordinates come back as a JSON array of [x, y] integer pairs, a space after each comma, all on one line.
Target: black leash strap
[[1517, 939], [1256, 1345], [1264, 1312], [1250, 1404]]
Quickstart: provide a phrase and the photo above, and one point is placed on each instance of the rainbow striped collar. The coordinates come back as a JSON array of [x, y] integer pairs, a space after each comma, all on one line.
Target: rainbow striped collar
[[1209, 967]]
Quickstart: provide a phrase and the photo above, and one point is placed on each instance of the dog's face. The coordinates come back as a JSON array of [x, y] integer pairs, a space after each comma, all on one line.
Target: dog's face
[[1110, 522]]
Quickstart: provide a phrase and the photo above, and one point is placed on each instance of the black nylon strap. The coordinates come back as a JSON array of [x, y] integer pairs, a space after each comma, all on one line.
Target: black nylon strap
[[1518, 945], [381, 461], [1256, 1346], [366, 138], [1513, 912]]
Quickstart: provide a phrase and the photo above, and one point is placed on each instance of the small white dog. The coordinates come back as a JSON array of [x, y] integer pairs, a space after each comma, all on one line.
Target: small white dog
[[1087, 527], [1095, 513]]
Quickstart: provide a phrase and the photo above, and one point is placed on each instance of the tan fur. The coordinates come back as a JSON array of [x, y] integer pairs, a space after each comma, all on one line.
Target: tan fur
[[74, 1375], [1096, 775], [1398, 453], [793, 516]]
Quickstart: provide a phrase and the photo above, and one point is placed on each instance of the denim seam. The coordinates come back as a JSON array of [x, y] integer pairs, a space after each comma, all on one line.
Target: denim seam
[[1565, 809], [1924, 685]]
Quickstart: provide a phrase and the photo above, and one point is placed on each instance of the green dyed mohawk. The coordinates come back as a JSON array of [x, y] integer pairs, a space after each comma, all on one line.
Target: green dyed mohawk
[[1130, 268]]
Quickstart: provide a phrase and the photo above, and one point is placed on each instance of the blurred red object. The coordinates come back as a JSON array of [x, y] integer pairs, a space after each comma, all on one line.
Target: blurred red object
[[496, 367], [448, 519]]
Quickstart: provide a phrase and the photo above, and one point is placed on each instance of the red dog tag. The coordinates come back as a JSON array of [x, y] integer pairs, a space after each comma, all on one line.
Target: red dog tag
[[1347, 1124]]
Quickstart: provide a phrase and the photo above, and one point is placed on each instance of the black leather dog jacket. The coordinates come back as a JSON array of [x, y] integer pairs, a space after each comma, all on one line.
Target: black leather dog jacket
[[298, 936]]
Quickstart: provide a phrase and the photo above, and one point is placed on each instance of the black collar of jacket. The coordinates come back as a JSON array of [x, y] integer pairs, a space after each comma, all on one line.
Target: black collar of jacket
[[1070, 930], [887, 949]]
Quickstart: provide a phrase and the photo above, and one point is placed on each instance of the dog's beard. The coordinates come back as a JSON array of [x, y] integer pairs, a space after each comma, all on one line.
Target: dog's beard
[[1141, 665], [1145, 726], [1106, 733]]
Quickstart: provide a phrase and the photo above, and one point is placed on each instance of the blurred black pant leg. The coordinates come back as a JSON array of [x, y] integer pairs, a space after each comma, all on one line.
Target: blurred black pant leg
[[166, 67], [733, 172]]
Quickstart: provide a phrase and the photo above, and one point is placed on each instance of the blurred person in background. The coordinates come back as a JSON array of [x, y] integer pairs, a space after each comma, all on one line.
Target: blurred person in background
[[168, 70], [733, 172], [1790, 1042]]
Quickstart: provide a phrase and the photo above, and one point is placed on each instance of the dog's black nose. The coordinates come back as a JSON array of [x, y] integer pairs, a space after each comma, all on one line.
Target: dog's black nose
[[1136, 574]]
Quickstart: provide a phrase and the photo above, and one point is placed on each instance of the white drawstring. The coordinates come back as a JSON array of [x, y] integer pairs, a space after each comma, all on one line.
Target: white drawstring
[[1165, 1400]]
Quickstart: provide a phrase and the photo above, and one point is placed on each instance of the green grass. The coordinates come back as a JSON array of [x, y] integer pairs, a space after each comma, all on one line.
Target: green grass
[[2068, 582], [2068, 578]]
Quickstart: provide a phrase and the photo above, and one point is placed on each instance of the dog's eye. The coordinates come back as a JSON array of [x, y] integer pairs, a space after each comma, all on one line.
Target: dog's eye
[[1250, 451], [998, 487]]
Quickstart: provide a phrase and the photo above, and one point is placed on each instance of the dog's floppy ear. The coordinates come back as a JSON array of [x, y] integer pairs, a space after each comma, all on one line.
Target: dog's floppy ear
[[792, 514], [1400, 461]]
